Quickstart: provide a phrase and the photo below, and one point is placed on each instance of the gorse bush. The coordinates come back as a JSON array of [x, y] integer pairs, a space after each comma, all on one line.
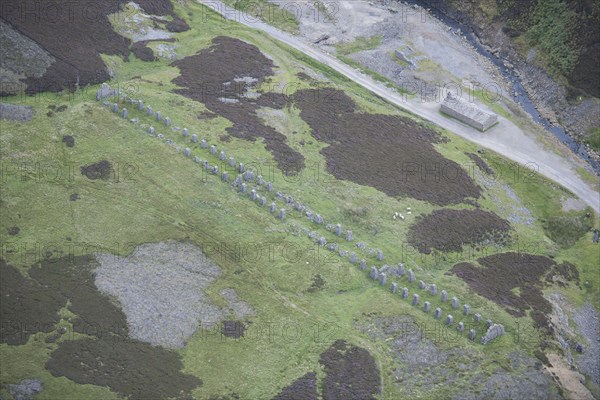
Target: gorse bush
[[553, 23]]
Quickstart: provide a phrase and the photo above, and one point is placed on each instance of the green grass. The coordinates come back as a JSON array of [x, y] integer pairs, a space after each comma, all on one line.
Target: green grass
[[160, 195], [594, 139], [361, 43], [274, 14], [566, 229]]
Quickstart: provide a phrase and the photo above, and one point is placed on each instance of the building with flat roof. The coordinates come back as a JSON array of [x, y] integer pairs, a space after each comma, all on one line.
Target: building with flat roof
[[468, 113]]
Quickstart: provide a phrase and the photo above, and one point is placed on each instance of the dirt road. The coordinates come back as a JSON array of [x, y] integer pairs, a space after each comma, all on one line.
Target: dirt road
[[505, 138]]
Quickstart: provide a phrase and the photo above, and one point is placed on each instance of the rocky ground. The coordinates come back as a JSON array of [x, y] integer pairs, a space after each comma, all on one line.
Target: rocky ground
[[161, 288], [423, 365], [432, 54], [12, 112], [420, 37]]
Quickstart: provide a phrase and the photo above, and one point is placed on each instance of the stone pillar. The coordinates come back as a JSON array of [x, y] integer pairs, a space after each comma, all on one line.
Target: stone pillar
[[322, 241], [415, 300], [466, 309], [124, 113], [241, 168], [472, 334], [394, 287], [427, 306], [158, 116], [444, 296], [215, 170], [338, 230], [401, 269], [379, 255], [493, 332], [449, 319], [273, 207], [259, 180], [461, 326], [185, 132], [243, 188], [363, 264], [197, 160], [411, 276], [454, 302], [222, 156], [382, 279], [422, 285], [282, 214], [140, 105], [404, 293], [318, 219], [149, 111], [232, 162], [115, 108], [477, 317], [263, 201], [194, 138], [188, 152], [269, 187], [349, 236], [151, 130], [225, 177], [488, 323], [353, 258], [213, 149], [438, 313], [433, 289], [374, 274], [168, 121]]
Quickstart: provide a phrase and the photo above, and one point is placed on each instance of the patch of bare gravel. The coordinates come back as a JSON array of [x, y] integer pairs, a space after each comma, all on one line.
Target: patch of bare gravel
[[161, 288], [421, 366], [588, 324]]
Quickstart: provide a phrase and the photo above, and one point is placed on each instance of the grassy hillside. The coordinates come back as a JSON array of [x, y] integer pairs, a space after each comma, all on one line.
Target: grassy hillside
[[154, 193]]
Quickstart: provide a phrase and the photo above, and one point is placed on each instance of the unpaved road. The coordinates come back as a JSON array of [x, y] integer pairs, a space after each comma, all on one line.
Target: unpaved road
[[505, 138]]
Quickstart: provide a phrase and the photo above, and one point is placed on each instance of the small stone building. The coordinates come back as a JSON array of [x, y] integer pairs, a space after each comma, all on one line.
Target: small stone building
[[468, 113]]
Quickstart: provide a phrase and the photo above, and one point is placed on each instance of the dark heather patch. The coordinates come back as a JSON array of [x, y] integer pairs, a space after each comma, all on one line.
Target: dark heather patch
[[76, 49], [304, 76], [303, 388], [351, 373], [482, 165], [27, 307], [501, 273], [143, 52], [317, 283], [210, 75], [129, 368], [177, 25], [567, 271], [208, 115], [99, 170], [14, 230], [392, 154], [62, 108], [233, 329], [109, 358], [95, 314], [156, 7], [69, 140], [449, 230], [74, 197]]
